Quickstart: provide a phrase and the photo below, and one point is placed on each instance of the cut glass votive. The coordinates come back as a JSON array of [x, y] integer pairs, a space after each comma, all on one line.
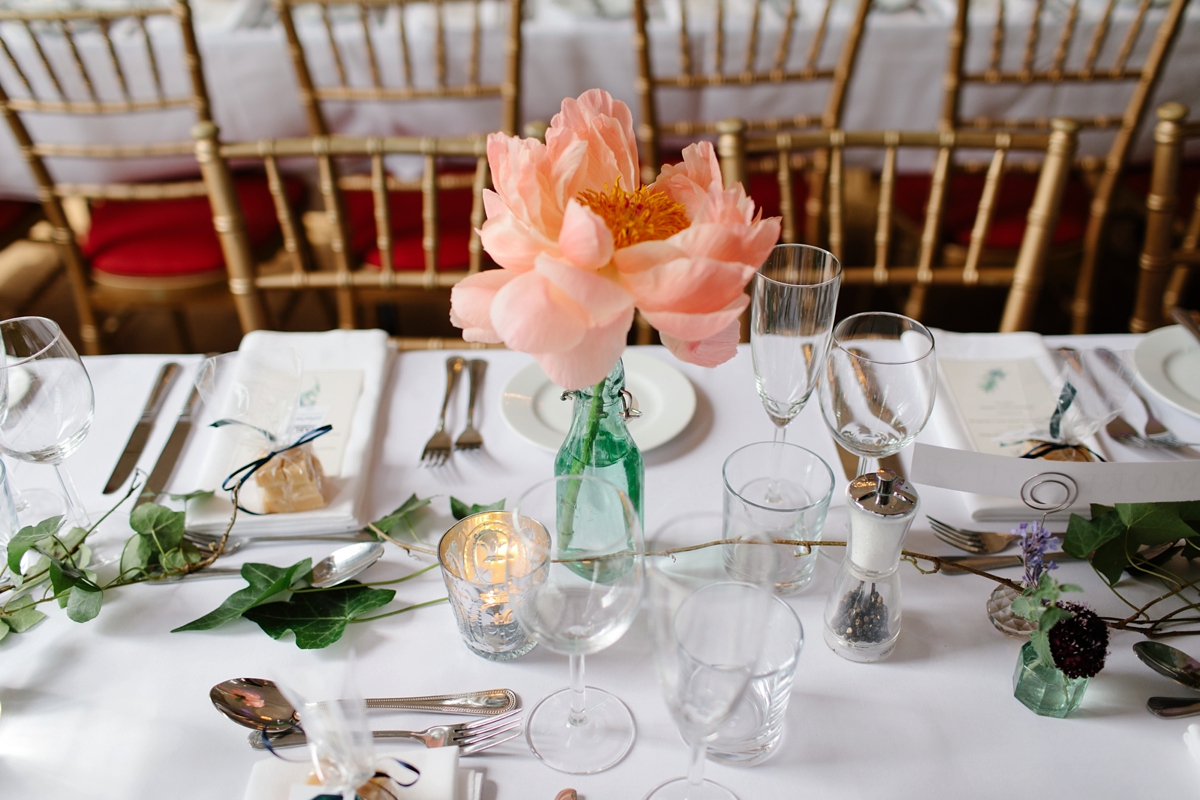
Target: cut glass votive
[[477, 556]]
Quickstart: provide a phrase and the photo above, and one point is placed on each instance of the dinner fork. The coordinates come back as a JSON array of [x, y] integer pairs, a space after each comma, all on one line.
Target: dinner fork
[[979, 542], [470, 439], [437, 449], [235, 543], [468, 737], [1156, 434]]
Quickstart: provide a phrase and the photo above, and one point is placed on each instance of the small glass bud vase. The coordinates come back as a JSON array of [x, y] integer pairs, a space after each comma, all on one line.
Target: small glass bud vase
[[1043, 688]]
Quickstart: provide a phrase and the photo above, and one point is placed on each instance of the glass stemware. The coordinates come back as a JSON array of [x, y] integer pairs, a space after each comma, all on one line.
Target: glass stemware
[[795, 295], [49, 405], [880, 383], [577, 593]]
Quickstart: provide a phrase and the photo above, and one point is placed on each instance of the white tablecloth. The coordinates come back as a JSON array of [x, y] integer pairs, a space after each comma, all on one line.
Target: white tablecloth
[[897, 83], [118, 707]]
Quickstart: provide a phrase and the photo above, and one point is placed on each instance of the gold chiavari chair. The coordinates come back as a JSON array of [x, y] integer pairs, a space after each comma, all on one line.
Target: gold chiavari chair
[[1164, 268], [349, 282], [1073, 66], [799, 55], [148, 245], [1024, 276]]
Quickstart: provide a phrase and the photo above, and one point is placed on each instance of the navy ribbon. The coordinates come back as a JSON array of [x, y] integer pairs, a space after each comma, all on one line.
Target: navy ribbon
[[246, 470]]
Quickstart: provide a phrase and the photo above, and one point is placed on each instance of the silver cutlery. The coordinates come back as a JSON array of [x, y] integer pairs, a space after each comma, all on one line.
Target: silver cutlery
[[1172, 707], [951, 564], [235, 543], [470, 439], [978, 542], [338, 567], [145, 424], [160, 476], [1156, 434], [468, 737], [437, 449], [1169, 662]]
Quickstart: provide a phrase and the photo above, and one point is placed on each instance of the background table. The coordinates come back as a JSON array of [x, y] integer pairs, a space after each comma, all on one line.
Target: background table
[[118, 707]]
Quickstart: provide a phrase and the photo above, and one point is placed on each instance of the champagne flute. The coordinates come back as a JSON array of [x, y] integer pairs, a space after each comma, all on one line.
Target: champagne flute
[[576, 591], [49, 405], [795, 295], [880, 384]]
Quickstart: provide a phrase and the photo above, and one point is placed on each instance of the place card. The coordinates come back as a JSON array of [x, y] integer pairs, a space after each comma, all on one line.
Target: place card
[[999, 402], [327, 397]]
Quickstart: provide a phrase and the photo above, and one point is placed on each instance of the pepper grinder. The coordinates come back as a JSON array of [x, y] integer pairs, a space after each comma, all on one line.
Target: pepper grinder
[[862, 615]]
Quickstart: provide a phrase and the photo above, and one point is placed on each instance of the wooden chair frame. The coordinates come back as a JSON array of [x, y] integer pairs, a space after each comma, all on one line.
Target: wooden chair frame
[[1126, 124], [311, 95], [346, 279], [90, 290], [1025, 276], [1164, 268]]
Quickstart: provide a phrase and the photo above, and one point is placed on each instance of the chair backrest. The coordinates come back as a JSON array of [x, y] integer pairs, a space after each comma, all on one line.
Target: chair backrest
[[97, 63], [774, 52], [346, 278], [413, 50], [1164, 267], [794, 150], [1068, 65]]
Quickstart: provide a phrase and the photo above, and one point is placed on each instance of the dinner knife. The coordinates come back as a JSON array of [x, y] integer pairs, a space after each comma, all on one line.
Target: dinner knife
[[141, 431], [950, 563], [161, 474]]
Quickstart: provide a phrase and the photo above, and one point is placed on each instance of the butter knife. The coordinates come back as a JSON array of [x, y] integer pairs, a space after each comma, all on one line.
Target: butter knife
[[949, 563], [161, 474], [141, 431]]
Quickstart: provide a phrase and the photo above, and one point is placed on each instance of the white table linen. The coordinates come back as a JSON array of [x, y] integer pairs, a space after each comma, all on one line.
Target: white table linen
[[118, 707]]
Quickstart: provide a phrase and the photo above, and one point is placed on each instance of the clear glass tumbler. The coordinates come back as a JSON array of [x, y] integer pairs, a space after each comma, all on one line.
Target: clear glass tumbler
[[755, 728], [775, 490]]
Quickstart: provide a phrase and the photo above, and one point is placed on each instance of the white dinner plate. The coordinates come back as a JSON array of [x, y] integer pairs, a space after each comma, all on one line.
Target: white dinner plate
[[533, 407], [1168, 362]]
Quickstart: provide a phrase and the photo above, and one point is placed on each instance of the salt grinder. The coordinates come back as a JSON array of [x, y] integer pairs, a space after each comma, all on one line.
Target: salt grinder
[[862, 615]]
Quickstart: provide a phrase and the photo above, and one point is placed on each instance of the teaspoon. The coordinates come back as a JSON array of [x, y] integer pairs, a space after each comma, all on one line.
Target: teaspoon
[[258, 703], [1166, 660]]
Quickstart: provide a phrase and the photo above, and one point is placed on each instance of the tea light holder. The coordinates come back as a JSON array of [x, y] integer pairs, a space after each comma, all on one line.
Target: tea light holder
[[477, 556]]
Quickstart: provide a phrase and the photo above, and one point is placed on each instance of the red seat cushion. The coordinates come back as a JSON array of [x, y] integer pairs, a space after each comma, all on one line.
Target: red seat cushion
[[12, 211], [1012, 207], [1137, 179], [161, 238]]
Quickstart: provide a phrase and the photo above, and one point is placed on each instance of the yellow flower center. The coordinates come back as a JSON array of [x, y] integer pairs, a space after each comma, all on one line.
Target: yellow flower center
[[638, 216]]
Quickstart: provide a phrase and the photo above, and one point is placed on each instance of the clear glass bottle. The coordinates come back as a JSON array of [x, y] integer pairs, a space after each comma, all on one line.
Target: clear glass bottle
[[862, 615], [598, 442]]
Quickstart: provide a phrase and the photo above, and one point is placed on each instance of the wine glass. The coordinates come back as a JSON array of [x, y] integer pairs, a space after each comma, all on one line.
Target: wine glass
[[795, 294], [49, 405], [577, 593], [708, 638], [880, 383]]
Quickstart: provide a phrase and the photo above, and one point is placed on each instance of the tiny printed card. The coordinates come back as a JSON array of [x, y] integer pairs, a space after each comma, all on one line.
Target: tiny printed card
[[998, 401]]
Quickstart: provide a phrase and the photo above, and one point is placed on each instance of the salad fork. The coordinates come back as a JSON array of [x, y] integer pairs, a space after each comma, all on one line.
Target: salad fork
[[979, 542], [470, 439], [1156, 434], [437, 449], [468, 737]]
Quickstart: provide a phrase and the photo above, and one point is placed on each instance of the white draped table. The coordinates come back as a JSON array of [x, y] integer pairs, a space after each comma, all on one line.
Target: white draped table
[[118, 707]]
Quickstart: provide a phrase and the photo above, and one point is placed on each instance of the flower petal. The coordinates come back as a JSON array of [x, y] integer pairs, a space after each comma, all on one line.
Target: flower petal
[[606, 126], [600, 297], [644, 255], [689, 285], [716, 349], [689, 183], [694, 327], [585, 240], [471, 304], [512, 243], [534, 316], [745, 244], [592, 359]]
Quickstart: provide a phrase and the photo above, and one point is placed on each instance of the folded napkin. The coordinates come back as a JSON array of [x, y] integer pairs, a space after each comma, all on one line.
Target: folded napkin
[[360, 359], [441, 779], [948, 425]]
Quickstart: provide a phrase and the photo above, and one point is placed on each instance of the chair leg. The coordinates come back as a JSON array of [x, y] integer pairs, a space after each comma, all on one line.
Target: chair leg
[[181, 330]]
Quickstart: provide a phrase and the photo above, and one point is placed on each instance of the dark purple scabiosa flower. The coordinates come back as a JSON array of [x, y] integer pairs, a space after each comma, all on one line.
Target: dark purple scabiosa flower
[[1035, 542], [1079, 643]]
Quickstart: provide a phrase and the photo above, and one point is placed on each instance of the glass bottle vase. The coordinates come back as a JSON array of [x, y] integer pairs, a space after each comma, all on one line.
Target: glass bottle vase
[[1043, 688], [598, 442]]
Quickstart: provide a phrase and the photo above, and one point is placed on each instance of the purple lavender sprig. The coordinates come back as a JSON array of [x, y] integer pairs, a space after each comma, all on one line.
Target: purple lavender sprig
[[1036, 541]]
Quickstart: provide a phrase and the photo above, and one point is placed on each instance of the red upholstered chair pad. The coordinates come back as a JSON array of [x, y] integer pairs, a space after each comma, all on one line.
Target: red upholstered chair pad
[[408, 254]]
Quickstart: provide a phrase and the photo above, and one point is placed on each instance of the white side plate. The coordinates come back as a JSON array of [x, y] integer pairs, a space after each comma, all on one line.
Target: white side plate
[[1168, 362], [533, 409]]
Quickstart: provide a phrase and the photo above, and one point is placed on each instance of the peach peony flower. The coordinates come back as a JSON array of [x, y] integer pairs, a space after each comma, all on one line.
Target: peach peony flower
[[581, 244]]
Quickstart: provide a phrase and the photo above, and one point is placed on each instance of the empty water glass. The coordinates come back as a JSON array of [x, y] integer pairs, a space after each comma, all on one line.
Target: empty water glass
[[775, 490], [755, 728]]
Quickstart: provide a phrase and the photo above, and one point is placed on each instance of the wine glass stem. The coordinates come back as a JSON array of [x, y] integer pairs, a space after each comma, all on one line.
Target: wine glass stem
[[578, 693], [75, 509], [864, 465], [781, 434], [695, 773]]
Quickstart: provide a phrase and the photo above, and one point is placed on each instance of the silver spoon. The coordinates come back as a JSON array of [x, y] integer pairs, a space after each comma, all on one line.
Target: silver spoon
[[1166, 660], [258, 703], [1171, 707], [338, 567]]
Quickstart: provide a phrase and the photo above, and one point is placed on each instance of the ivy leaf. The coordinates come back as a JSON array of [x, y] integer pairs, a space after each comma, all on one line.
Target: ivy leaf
[[1188, 511], [84, 603], [22, 615], [265, 581], [1110, 560], [461, 510], [1085, 537], [318, 618], [413, 503], [1153, 523], [160, 524], [135, 556], [199, 494], [4, 629], [28, 537]]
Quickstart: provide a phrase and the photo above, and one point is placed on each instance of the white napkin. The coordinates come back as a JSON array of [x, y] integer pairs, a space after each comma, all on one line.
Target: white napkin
[[366, 351], [946, 426], [1191, 738], [441, 779]]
